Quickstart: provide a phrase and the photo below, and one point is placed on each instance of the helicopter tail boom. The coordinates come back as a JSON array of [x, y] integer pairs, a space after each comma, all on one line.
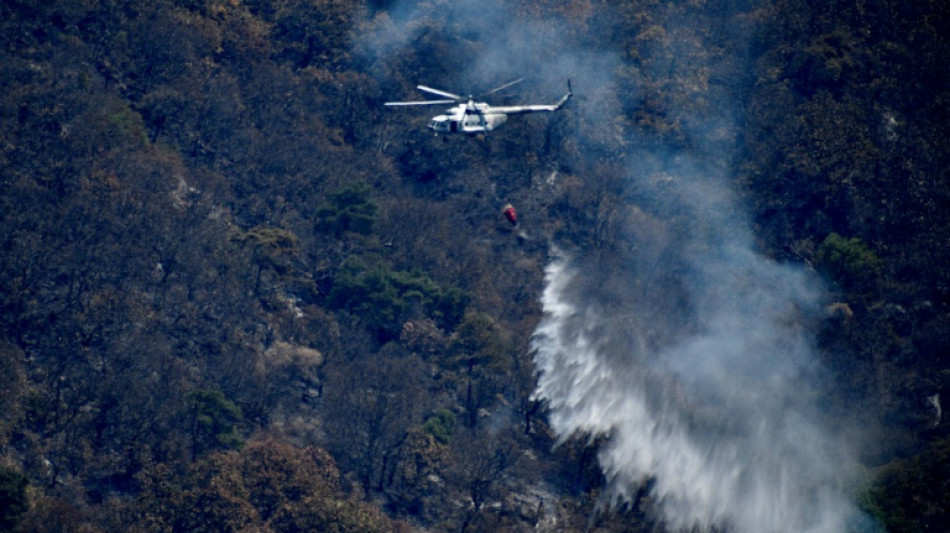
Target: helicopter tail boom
[[520, 109]]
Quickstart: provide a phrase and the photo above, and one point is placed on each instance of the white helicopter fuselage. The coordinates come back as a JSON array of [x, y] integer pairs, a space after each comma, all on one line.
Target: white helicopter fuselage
[[479, 120]]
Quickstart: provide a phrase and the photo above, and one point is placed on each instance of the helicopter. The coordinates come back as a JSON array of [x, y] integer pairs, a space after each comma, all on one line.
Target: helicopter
[[471, 117]]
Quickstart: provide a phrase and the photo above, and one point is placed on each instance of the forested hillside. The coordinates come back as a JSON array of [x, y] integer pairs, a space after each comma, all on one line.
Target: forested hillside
[[240, 294]]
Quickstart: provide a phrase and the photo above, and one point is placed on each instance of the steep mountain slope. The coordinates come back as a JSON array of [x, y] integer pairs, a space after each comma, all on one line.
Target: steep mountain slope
[[239, 293]]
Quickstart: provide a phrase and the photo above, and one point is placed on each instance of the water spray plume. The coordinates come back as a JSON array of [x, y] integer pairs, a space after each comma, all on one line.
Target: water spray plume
[[720, 421]]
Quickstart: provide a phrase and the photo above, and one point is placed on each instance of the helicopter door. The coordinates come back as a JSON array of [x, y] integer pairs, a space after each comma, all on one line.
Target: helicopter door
[[454, 126]]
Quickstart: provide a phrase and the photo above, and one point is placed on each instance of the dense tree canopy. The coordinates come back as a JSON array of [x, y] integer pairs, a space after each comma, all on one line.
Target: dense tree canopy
[[236, 293]]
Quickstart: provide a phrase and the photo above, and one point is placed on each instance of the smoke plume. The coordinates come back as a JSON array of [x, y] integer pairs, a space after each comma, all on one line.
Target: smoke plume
[[690, 352]]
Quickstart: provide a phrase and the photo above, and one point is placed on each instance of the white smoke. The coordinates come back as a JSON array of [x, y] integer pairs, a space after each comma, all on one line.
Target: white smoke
[[472, 46]]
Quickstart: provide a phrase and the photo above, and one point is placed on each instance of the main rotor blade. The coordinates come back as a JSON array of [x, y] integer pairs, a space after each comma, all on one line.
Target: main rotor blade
[[438, 92], [424, 102], [505, 86]]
